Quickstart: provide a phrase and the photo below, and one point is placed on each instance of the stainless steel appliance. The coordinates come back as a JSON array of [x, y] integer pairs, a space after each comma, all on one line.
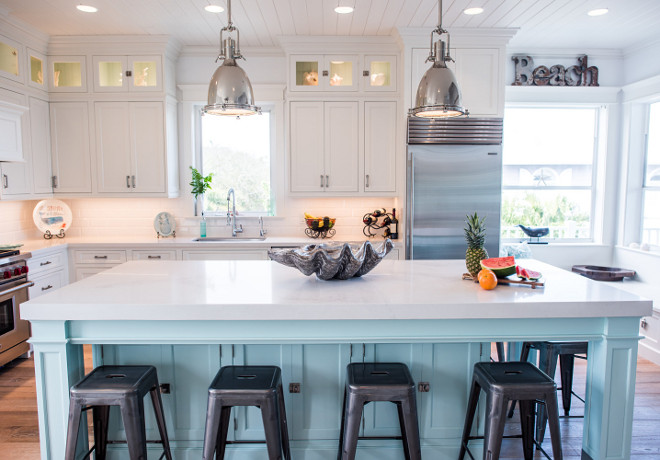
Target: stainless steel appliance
[[454, 169], [14, 285]]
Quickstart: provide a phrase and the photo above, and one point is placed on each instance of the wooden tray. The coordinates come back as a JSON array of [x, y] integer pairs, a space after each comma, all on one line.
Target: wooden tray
[[598, 273], [533, 284]]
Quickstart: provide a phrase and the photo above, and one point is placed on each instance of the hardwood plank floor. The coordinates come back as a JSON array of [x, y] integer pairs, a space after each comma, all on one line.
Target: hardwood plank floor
[[19, 433]]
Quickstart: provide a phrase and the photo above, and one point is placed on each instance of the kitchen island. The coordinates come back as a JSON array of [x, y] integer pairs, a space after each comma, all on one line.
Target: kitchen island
[[188, 318]]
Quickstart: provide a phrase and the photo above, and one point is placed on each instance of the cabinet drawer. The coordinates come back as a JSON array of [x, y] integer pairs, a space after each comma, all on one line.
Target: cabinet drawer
[[245, 254], [86, 272], [46, 283], [100, 257], [154, 255], [44, 263]]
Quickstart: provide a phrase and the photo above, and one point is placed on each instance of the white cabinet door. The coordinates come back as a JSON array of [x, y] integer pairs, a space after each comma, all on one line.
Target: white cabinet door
[[380, 146], [341, 146], [113, 147], [306, 139], [69, 130], [379, 73], [478, 75], [15, 179], [40, 138], [147, 128], [236, 254]]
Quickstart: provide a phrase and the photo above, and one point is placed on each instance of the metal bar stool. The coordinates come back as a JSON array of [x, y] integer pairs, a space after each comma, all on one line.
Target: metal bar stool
[[504, 382], [123, 386], [259, 386], [549, 352], [367, 382]]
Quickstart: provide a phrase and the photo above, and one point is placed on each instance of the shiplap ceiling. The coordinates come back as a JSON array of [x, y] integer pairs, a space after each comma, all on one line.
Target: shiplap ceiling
[[546, 23]]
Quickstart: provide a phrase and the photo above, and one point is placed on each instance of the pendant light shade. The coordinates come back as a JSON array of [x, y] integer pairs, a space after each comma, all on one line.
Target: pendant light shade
[[230, 91], [438, 94]]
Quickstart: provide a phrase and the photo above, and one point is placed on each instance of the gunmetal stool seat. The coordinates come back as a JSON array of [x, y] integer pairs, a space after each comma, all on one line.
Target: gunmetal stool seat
[[259, 386], [367, 382], [504, 382], [123, 386]]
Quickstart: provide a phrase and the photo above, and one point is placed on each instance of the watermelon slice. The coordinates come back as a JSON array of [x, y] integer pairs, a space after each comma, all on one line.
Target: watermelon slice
[[527, 274], [501, 266]]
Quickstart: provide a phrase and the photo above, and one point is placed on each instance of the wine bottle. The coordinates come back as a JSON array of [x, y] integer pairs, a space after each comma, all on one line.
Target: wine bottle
[[394, 226]]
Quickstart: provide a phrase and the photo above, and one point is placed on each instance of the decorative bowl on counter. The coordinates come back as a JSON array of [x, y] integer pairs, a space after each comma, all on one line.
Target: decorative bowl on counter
[[333, 261], [320, 227]]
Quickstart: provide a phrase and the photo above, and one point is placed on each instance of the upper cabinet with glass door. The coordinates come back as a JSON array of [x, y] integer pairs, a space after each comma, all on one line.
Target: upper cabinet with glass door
[[37, 70], [323, 73], [11, 54], [379, 73], [127, 73], [67, 74]]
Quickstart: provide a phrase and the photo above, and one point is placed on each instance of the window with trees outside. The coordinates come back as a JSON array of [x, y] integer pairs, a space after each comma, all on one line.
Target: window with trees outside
[[549, 170], [651, 190], [238, 153]]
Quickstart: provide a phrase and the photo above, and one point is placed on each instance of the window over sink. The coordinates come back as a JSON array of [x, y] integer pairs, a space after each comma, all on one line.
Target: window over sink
[[549, 172], [238, 151], [651, 188]]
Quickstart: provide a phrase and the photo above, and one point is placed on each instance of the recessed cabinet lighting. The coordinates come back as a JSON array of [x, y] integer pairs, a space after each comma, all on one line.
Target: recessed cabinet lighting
[[598, 12], [473, 11], [344, 9], [214, 8], [87, 8]]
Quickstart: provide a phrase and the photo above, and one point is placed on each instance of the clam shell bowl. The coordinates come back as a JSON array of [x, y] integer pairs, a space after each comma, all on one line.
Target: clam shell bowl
[[333, 261]]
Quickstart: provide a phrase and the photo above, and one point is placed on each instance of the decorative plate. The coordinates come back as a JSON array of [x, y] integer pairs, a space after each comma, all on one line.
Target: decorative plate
[[7, 247], [52, 216], [164, 224]]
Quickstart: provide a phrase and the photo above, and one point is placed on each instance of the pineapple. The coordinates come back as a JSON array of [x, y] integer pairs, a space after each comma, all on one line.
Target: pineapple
[[475, 234]]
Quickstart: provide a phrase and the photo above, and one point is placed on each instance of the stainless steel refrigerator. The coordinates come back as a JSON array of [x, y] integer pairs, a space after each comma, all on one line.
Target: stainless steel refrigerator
[[454, 169]]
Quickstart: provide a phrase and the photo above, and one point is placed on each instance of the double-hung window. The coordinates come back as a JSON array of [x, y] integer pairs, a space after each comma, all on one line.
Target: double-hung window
[[549, 158], [651, 187], [238, 152]]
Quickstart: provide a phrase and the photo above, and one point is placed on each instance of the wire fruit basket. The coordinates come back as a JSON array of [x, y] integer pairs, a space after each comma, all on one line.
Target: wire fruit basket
[[320, 228]]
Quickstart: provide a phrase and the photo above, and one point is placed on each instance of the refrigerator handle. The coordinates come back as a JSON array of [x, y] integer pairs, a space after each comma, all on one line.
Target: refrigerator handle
[[409, 204]]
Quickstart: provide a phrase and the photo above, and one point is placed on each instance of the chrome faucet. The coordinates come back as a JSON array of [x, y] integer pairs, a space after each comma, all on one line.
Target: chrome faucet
[[231, 216], [262, 231]]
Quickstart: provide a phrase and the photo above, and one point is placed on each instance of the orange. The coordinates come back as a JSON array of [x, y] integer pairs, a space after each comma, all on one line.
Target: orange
[[487, 279]]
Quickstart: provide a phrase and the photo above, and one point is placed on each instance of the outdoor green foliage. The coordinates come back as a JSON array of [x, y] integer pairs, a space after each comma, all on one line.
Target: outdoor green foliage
[[199, 183], [248, 174], [530, 210]]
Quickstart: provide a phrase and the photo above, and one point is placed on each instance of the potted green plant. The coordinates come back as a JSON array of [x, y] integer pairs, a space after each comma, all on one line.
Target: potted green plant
[[200, 184]]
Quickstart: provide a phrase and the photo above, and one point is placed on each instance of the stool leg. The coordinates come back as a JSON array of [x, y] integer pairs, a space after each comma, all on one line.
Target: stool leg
[[342, 427], [496, 406], [75, 410], [408, 415], [404, 437], [553, 417], [524, 356], [548, 364], [566, 363], [132, 414], [473, 399], [527, 428], [271, 427], [284, 430], [500, 351], [352, 418], [211, 428], [160, 420], [100, 415], [221, 440]]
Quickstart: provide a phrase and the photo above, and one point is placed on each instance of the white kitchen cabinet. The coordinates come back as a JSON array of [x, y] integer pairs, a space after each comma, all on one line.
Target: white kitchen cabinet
[[36, 70], [379, 73], [478, 71], [40, 147], [323, 72], [380, 146], [324, 146], [11, 56], [46, 283], [15, 179], [68, 74], [127, 73], [70, 144], [48, 270], [156, 254], [11, 136], [225, 254], [130, 147], [99, 256]]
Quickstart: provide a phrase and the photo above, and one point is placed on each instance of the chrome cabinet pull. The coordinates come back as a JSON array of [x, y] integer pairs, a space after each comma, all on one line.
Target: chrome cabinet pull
[[47, 287], [5, 180], [321, 180], [54, 181], [153, 257], [100, 257], [48, 262], [327, 181], [133, 180], [128, 181], [367, 184]]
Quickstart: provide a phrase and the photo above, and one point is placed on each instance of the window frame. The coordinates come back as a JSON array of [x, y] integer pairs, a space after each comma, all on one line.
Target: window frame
[[597, 179], [271, 109], [644, 187]]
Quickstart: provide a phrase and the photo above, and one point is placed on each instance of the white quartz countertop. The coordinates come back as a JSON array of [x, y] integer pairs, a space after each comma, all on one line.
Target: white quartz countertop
[[265, 290]]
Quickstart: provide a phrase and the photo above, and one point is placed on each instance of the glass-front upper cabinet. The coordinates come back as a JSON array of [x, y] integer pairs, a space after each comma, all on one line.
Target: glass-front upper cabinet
[[379, 73], [67, 74], [323, 73], [36, 69], [127, 73], [10, 52]]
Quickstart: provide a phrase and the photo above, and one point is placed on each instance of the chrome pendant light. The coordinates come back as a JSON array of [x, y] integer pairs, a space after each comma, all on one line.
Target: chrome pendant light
[[230, 91], [438, 94]]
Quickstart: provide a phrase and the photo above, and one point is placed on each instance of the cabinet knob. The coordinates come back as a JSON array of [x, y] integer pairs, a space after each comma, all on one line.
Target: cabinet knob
[[100, 257], [153, 257], [48, 262], [45, 288], [5, 180], [327, 181], [321, 180], [365, 73], [128, 181], [367, 181], [129, 73]]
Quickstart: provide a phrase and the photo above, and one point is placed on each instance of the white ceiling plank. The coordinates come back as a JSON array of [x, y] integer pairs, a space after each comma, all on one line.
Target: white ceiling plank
[[375, 17], [407, 13], [329, 17], [426, 13], [300, 18], [344, 23], [388, 21], [360, 16], [315, 17], [258, 22], [503, 9], [284, 17]]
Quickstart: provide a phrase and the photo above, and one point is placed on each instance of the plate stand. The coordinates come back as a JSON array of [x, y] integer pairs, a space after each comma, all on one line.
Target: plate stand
[[173, 235], [48, 235]]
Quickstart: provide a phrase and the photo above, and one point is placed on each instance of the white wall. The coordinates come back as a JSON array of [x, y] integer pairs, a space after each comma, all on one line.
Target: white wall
[[641, 62]]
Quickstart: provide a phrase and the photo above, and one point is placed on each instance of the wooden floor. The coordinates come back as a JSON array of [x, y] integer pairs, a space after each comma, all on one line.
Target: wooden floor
[[19, 434]]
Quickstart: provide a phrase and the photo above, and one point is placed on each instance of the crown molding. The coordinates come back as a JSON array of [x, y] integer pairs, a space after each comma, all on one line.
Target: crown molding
[[331, 44], [563, 53], [212, 51], [417, 37]]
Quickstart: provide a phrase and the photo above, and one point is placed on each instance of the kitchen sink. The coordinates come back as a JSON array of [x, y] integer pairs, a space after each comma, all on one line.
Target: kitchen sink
[[229, 238]]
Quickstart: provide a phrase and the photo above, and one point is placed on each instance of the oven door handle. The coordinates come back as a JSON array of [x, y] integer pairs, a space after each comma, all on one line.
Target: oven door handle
[[18, 288]]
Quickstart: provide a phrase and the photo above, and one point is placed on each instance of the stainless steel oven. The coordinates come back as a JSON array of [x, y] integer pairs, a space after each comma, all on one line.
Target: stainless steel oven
[[14, 285]]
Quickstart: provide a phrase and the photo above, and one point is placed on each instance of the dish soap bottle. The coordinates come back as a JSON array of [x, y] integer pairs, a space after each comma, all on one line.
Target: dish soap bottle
[[202, 227]]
